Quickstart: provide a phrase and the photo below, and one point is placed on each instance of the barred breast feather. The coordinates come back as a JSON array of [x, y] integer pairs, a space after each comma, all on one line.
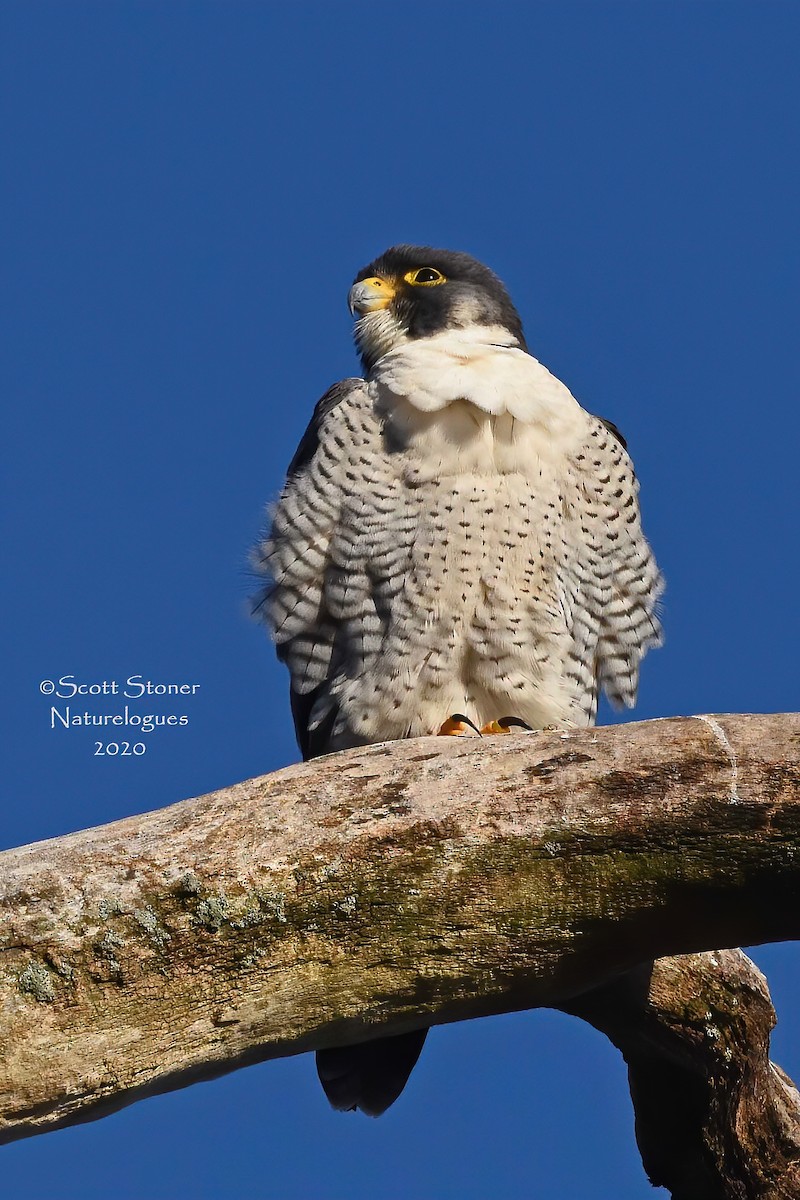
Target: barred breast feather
[[456, 535]]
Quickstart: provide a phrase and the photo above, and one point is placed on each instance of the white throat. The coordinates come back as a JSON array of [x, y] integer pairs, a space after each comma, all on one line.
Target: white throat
[[482, 365]]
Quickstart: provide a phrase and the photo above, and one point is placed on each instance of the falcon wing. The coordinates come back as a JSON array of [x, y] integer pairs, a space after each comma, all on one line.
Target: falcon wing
[[614, 582], [297, 556]]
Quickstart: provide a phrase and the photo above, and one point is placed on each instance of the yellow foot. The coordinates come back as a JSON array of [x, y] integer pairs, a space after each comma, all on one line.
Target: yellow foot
[[458, 726], [505, 725]]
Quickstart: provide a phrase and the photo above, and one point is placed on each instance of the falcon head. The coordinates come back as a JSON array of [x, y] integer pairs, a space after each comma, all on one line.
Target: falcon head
[[412, 292]]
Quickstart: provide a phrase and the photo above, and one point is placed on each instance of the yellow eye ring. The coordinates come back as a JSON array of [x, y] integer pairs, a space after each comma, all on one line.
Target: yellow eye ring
[[424, 277]]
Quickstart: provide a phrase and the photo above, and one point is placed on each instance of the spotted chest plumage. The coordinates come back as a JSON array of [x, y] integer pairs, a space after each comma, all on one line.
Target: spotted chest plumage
[[458, 576]]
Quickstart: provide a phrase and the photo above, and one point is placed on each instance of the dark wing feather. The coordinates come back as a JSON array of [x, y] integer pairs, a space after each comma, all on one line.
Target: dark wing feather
[[309, 442], [611, 427], [296, 555]]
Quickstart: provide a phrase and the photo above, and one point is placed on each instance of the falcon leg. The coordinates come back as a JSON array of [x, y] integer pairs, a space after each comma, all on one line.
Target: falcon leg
[[506, 725], [515, 725]]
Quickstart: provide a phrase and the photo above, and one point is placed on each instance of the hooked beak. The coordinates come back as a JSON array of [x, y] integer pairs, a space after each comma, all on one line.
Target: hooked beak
[[370, 295]]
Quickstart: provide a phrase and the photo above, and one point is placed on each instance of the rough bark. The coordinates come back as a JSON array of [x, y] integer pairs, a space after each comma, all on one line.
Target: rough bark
[[405, 885]]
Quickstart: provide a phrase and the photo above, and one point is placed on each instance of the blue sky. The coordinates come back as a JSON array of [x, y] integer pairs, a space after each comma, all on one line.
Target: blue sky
[[190, 189]]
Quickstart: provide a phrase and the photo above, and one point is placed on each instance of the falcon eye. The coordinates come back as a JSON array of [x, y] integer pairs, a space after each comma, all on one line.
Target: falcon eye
[[425, 277]]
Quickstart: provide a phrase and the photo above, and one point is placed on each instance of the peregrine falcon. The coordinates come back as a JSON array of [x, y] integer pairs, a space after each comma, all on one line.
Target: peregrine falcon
[[457, 548]]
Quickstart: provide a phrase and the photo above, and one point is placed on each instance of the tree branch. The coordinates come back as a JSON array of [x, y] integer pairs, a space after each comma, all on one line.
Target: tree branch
[[715, 1119], [384, 889]]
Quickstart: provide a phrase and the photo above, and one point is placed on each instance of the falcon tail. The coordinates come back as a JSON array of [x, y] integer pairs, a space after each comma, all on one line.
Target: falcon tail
[[370, 1075]]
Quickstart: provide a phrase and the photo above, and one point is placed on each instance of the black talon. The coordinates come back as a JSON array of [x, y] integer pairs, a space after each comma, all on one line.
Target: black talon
[[466, 720], [513, 723]]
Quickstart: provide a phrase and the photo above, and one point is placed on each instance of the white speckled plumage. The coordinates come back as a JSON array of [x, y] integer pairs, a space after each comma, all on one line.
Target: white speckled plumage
[[462, 537]]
